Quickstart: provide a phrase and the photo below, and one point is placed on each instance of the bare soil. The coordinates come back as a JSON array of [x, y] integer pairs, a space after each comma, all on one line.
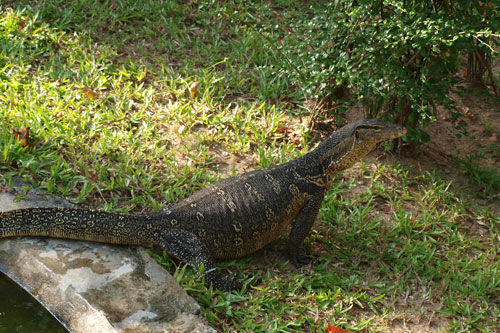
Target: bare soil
[[481, 117], [476, 135]]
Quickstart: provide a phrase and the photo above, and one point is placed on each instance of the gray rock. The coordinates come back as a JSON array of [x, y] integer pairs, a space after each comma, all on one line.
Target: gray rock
[[93, 287]]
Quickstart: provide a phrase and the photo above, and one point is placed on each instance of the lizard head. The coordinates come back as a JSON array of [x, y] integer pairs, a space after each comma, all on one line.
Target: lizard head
[[354, 141], [372, 131]]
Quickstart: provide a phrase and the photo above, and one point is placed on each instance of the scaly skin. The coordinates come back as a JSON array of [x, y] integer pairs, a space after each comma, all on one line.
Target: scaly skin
[[228, 219]]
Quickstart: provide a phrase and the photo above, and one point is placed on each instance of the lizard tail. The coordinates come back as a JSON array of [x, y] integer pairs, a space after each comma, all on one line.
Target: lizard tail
[[74, 224]]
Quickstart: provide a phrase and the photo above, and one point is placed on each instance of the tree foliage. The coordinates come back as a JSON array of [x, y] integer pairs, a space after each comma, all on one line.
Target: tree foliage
[[398, 58]]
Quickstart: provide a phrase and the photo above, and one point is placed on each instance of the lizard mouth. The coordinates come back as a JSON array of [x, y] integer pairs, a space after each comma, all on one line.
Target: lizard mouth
[[400, 133]]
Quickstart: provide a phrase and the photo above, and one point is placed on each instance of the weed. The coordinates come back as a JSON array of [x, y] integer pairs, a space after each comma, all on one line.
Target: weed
[[487, 180]]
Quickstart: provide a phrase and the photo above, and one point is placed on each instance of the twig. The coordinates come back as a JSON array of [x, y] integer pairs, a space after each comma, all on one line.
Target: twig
[[485, 44], [408, 63], [490, 71]]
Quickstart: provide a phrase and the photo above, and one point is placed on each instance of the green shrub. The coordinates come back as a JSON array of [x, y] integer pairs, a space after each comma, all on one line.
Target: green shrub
[[398, 56]]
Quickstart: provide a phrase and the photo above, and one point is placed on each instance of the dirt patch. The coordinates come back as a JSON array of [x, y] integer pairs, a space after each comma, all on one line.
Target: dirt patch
[[412, 323], [480, 134], [475, 136], [481, 121]]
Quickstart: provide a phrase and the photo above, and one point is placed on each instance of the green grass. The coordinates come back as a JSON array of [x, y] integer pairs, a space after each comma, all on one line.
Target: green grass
[[487, 181], [104, 88], [126, 127], [407, 247]]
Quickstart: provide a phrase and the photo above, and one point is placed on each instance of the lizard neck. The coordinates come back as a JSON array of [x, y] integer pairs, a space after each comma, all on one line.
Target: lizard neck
[[338, 152]]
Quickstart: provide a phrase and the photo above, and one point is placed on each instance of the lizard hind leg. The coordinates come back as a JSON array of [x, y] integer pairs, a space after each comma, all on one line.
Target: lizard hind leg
[[186, 247]]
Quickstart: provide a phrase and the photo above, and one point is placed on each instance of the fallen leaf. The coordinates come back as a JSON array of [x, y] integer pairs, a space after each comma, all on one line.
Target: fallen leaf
[[3, 188], [443, 285], [212, 132], [89, 93], [22, 134], [333, 329], [281, 129], [295, 139], [179, 130], [193, 87], [272, 101], [311, 103], [493, 138], [468, 113], [286, 105], [22, 24]]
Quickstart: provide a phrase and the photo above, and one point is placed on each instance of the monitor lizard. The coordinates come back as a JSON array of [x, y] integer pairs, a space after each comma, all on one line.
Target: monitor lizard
[[227, 219]]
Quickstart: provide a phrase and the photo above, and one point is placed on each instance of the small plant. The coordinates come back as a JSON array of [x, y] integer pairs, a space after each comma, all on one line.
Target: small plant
[[488, 180], [488, 128]]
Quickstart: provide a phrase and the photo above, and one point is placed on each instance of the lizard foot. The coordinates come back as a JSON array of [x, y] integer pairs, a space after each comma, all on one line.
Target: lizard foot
[[224, 283], [217, 281], [304, 259]]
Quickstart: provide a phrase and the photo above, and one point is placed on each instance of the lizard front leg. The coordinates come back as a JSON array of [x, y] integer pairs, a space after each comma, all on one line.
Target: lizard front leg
[[301, 228], [186, 247]]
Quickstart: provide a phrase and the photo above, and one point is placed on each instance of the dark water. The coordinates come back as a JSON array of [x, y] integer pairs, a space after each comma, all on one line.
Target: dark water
[[19, 312]]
